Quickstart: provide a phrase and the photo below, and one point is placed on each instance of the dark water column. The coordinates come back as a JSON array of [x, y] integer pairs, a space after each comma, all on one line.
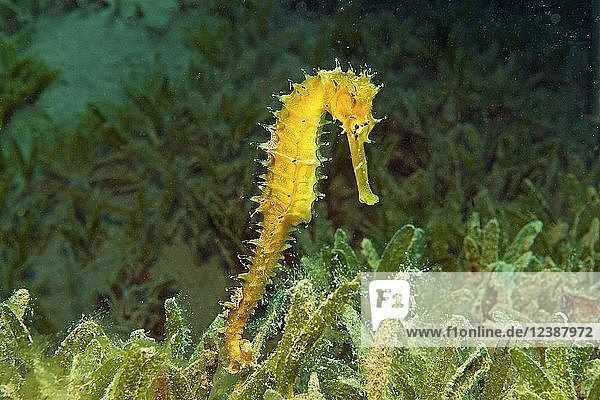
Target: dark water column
[[593, 95]]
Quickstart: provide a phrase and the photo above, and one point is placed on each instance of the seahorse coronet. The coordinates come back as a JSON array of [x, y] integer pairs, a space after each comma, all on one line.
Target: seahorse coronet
[[289, 186]]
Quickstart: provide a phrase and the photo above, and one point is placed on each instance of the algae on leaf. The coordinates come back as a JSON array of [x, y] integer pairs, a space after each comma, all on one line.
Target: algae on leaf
[[482, 246], [318, 354]]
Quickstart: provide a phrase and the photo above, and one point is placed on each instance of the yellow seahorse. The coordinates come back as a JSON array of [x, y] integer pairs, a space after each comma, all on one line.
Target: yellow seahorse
[[288, 190]]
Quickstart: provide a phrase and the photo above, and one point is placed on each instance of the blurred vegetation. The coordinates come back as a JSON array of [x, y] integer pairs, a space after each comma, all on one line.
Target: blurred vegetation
[[22, 79], [484, 147]]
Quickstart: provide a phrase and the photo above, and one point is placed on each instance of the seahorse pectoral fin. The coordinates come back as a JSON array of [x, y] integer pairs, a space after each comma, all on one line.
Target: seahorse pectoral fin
[[357, 140]]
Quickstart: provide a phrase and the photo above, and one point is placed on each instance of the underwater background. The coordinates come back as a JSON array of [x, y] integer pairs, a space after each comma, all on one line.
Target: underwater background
[[128, 147]]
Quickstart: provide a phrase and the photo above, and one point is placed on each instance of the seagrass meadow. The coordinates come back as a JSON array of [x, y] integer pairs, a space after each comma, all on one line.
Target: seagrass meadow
[[129, 138]]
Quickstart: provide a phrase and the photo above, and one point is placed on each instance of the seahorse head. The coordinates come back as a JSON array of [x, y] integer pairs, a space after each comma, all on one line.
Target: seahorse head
[[351, 102]]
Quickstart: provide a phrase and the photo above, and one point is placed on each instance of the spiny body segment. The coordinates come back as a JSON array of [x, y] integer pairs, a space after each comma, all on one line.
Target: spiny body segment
[[288, 190]]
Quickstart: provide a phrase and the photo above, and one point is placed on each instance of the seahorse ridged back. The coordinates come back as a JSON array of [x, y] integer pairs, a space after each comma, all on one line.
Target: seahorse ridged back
[[288, 190]]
